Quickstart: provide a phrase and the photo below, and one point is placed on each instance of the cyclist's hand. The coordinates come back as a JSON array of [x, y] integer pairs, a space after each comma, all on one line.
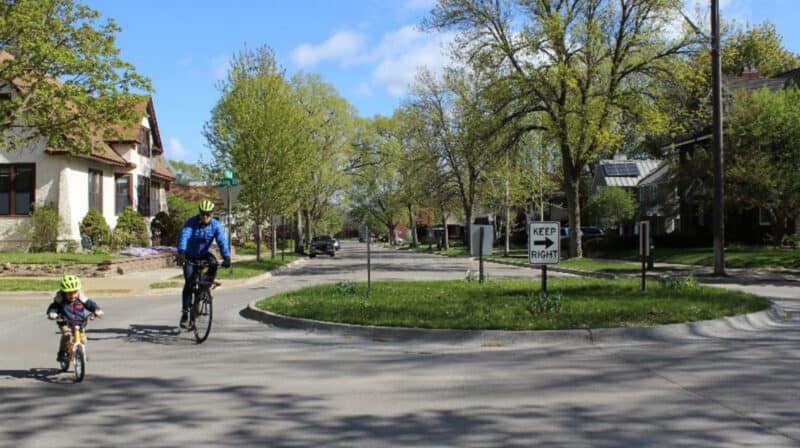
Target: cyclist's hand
[[180, 259], [226, 262], [98, 313], [52, 316]]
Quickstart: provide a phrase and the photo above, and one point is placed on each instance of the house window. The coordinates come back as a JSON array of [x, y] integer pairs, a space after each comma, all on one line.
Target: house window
[[155, 197], [144, 138], [143, 195], [16, 189], [96, 190], [122, 192]]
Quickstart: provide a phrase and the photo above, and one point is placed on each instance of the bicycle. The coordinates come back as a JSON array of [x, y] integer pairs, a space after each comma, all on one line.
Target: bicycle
[[76, 352], [201, 307]]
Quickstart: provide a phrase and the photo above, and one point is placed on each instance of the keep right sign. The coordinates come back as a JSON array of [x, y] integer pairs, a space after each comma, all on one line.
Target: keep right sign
[[544, 245]]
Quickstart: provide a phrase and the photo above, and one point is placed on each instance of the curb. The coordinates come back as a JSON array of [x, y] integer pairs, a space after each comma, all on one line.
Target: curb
[[728, 327], [557, 269]]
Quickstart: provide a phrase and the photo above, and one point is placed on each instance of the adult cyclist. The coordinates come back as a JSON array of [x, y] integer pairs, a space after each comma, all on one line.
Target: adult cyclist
[[194, 244]]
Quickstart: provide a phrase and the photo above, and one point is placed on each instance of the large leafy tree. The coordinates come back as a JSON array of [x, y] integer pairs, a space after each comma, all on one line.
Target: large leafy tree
[[61, 77], [452, 118], [758, 48], [763, 154], [376, 193], [258, 129], [580, 68], [329, 127]]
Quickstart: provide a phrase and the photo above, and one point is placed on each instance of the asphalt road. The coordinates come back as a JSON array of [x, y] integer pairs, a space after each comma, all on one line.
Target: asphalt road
[[251, 384]]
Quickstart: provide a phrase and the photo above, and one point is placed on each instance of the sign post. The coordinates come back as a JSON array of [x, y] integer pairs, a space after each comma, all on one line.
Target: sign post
[[228, 187], [644, 249], [481, 242], [544, 246]]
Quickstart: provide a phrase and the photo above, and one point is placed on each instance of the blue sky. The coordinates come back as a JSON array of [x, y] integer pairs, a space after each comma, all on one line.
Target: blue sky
[[367, 49]]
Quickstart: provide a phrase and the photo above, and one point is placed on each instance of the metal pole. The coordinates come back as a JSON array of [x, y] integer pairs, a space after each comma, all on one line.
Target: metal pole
[[480, 257], [369, 268], [718, 203], [228, 194], [544, 278]]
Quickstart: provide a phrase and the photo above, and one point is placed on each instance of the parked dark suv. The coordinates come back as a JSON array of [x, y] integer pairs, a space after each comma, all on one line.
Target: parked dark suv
[[322, 244]]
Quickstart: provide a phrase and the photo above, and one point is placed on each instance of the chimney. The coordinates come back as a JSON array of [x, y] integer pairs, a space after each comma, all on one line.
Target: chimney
[[620, 156], [750, 73]]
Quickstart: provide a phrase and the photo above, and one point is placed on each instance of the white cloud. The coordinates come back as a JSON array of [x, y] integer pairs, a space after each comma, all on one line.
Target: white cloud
[[397, 69], [395, 59], [175, 149], [342, 46]]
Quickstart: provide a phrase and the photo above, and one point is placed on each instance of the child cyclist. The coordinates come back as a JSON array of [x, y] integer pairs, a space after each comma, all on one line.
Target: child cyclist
[[70, 304]]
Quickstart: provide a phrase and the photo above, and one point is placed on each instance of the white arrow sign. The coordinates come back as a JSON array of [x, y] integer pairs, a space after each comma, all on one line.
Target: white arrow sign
[[544, 246]]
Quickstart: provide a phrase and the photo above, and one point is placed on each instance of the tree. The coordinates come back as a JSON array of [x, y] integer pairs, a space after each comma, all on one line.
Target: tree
[[611, 207], [186, 172], [258, 128], [329, 126], [451, 117], [763, 159], [758, 48], [61, 77], [376, 190], [569, 68]]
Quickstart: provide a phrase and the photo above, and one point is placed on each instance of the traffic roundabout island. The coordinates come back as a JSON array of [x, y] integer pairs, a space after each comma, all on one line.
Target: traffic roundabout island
[[581, 311]]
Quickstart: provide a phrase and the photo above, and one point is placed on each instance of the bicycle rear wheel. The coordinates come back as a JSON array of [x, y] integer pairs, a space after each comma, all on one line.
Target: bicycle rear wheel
[[80, 363], [203, 313]]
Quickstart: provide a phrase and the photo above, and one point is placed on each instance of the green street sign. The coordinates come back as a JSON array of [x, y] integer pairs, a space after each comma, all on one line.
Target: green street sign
[[228, 174]]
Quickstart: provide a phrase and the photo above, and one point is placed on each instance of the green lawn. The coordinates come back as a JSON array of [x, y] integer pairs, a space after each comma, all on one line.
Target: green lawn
[[735, 257], [511, 305], [167, 284], [264, 250], [25, 284], [53, 258]]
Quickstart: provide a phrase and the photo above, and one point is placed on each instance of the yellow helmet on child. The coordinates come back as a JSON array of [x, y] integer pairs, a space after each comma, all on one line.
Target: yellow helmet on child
[[206, 206], [70, 283]]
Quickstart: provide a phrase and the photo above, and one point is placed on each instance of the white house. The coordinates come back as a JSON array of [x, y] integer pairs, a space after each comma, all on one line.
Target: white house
[[128, 171]]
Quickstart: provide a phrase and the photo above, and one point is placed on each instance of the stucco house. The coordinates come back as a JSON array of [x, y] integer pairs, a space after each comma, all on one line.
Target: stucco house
[[128, 170]]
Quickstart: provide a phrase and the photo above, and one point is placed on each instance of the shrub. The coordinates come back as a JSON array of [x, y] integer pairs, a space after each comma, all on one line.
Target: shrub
[[94, 226], [131, 230], [345, 288], [44, 228], [166, 227], [679, 282]]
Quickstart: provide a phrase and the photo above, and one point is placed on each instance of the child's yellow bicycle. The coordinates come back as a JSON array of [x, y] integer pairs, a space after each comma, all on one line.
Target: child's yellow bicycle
[[76, 350]]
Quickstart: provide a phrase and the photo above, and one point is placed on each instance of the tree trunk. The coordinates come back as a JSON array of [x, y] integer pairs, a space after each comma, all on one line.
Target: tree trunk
[[412, 226], [445, 236], [574, 205], [298, 233], [307, 214], [274, 233], [258, 240]]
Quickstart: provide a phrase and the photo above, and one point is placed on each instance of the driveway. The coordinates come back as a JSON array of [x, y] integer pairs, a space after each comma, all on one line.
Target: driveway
[[251, 384]]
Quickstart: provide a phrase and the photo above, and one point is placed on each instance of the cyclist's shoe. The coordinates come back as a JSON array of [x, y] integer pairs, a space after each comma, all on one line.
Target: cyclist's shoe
[[184, 320], [62, 356]]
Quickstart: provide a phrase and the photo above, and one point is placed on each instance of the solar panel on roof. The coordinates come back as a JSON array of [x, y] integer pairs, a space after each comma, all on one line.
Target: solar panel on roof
[[621, 170]]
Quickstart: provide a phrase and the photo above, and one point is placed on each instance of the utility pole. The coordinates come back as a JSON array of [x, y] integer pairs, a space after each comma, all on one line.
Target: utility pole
[[718, 202]]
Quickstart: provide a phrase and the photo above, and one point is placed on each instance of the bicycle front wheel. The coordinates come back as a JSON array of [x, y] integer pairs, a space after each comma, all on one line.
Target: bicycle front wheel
[[203, 313], [80, 363]]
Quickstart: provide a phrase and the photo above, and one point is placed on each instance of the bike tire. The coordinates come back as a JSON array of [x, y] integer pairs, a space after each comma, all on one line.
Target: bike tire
[[79, 362], [203, 315]]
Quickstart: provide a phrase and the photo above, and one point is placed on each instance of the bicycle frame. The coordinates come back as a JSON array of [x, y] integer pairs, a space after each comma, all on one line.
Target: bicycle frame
[[201, 309], [77, 353]]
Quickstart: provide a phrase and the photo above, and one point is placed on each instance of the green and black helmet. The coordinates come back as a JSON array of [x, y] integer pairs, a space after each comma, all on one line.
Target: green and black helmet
[[206, 206], [70, 283]]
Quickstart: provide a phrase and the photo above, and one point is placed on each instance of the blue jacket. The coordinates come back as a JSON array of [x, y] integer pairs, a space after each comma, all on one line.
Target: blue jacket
[[196, 238], [74, 312]]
